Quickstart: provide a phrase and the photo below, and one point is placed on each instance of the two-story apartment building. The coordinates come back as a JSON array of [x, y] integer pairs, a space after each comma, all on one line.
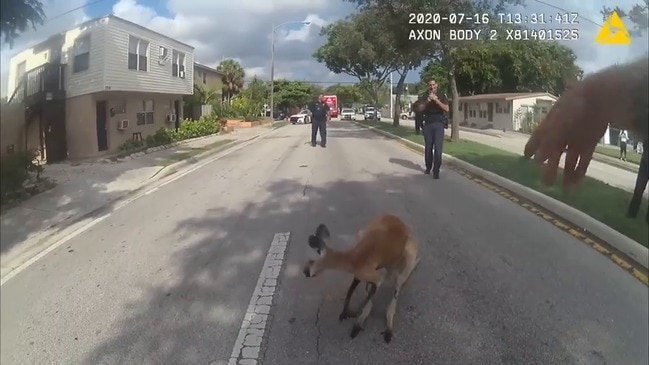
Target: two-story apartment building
[[90, 89], [208, 78]]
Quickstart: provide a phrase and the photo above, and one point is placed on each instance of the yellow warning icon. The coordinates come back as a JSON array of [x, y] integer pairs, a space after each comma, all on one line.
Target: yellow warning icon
[[613, 31]]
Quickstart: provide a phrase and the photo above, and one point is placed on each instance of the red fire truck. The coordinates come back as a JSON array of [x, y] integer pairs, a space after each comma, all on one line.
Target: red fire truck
[[332, 102]]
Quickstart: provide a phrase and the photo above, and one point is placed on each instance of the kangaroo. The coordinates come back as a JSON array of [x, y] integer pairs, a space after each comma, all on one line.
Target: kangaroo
[[385, 243]]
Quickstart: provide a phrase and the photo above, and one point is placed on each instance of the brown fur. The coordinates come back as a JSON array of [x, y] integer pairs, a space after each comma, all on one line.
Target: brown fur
[[616, 95], [385, 250]]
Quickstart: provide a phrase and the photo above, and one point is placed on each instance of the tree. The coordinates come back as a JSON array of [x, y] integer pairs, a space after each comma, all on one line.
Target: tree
[[356, 47], [637, 15], [16, 16], [504, 66], [233, 75], [401, 28], [291, 94], [203, 95], [257, 91], [347, 94]]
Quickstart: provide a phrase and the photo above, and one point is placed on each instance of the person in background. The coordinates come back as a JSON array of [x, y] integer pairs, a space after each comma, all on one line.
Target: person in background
[[433, 106], [623, 139], [419, 117], [319, 117]]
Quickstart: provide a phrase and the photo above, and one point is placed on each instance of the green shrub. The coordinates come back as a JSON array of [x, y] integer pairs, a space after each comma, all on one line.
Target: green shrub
[[204, 126], [131, 145], [223, 110], [161, 137], [15, 170]]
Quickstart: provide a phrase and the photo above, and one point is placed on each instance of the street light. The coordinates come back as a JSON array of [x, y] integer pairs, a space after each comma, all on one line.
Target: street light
[[272, 63]]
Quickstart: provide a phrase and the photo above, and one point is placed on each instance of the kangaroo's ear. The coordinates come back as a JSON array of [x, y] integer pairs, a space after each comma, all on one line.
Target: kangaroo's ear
[[317, 244], [322, 232]]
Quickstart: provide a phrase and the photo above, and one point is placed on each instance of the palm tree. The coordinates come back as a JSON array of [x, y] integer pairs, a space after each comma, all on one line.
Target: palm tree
[[204, 96], [233, 75]]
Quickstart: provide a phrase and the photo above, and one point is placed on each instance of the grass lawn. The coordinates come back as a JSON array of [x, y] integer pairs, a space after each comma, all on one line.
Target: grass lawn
[[193, 152], [601, 201], [631, 156]]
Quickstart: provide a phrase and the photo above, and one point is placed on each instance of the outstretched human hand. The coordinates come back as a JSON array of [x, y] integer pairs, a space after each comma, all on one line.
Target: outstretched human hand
[[577, 121]]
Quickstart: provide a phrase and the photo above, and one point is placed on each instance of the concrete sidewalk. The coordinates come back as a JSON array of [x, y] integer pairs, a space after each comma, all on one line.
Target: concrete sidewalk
[[515, 142], [82, 188]]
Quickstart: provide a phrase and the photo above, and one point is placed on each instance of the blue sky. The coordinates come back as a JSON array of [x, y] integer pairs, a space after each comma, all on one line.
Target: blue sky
[[240, 29]]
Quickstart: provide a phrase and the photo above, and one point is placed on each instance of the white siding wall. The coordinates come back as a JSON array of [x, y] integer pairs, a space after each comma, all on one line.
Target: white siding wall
[[92, 79], [499, 121], [158, 78]]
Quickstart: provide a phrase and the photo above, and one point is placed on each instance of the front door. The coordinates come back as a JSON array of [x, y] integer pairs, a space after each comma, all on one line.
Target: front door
[[53, 129], [490, 112], [176, 111], [102, 132]]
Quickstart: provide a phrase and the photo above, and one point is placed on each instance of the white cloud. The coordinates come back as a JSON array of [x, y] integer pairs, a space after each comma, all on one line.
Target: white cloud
[[260, 72], [241, 29]]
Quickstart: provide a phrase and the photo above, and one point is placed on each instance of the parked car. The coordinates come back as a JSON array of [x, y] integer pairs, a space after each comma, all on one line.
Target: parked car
[[372, 113], [404, 115], [348, 114], [303, 117]]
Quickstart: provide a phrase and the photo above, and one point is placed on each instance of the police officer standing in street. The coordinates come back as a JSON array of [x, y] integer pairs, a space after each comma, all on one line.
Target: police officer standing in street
[[433, 106], [319, 118]]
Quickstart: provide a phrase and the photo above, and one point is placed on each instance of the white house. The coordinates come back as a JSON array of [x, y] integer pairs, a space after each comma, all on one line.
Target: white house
[[89, 89], [508, 111]]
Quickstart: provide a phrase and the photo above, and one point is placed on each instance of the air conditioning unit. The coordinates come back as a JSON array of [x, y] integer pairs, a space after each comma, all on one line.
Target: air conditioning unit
[[122, 124], [181, 74], [171, 118]]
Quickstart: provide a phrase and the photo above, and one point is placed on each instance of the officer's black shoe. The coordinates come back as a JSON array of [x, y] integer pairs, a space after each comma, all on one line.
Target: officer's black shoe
[[313, 144], [436, 175], [323, 145], [427, 172]]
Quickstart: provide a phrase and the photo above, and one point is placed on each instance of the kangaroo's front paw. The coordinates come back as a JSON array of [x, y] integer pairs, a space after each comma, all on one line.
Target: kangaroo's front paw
[[355, 331]]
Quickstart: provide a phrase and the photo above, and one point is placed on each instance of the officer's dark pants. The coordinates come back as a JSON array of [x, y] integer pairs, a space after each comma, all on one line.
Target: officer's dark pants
[[319, 125], [434, 144]]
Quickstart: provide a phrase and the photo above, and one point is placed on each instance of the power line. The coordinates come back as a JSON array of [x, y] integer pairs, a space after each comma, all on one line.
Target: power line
[[74, 9]]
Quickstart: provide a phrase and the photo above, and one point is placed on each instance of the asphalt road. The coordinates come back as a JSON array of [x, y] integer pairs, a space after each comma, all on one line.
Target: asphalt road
[[167, 279]]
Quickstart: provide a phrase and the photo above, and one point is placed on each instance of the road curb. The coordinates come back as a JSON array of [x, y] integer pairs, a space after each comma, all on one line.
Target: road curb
[[615, 239], [50, 237], [610, 161]]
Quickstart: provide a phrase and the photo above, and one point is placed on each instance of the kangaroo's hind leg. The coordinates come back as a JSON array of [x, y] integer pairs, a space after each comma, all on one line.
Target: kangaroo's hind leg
[[401, 279]]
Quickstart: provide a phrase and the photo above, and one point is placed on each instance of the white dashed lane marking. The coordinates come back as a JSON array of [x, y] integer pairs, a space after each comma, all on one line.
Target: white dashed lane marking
[[251, 333]]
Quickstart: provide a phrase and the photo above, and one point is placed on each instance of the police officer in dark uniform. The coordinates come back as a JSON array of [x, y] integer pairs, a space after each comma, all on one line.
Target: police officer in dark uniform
[[319, 118], [433, 106]]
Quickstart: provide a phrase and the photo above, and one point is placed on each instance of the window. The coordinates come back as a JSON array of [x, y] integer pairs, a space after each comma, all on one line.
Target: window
[[20, 72], [146, 115], [81, 54], [138, 53], [460, 107], [506, 108], [178, 65], [163, 53], [499, 109], [205, 77]]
